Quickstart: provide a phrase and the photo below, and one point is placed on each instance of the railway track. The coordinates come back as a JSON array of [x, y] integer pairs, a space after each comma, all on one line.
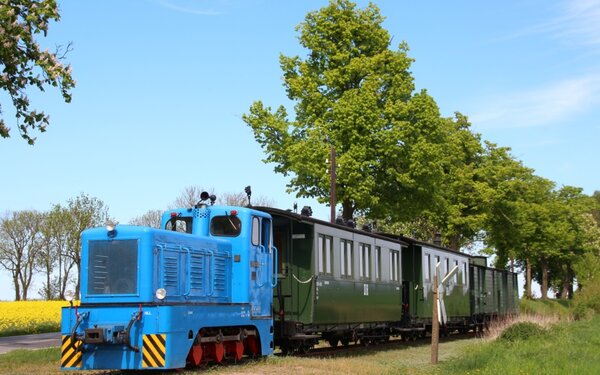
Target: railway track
[[326, 351]]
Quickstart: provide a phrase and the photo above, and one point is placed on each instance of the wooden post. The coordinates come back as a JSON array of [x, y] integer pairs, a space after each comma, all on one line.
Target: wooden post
[[332, 197], [435, 324]]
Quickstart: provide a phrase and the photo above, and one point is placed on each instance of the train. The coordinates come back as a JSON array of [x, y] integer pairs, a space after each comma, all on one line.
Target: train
[[220, 283]]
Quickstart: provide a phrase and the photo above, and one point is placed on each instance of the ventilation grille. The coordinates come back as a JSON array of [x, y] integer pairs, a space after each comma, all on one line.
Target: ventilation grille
[[201, 212]]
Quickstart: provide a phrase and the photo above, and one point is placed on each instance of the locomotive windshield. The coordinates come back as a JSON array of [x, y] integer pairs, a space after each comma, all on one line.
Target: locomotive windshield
[[112, 267], [228, 225]]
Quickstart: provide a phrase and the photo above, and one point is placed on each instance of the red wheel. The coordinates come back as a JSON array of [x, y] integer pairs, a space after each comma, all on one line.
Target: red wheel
[[252, 346], [195, 355], [219, 352], [234, 349]]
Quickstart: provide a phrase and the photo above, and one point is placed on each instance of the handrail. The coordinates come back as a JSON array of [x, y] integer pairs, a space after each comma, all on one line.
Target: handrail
[[260, 275], [303, 282], [161, 267], [275, 266]]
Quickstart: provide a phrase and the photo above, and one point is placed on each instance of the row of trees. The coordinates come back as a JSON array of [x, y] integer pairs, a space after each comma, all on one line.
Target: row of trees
[[48, 243], [36, 244], [402, 164]]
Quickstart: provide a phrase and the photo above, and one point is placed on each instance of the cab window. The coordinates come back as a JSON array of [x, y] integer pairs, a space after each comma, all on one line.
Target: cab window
[[180, 224], [227, 226], [255, 231]]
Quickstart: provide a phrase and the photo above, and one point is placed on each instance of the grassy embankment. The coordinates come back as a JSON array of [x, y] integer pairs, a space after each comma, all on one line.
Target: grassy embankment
[[562, 347]]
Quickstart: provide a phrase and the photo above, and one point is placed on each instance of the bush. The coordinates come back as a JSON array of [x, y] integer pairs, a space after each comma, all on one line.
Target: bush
[[583, 312], [587, 302], [521, 331]]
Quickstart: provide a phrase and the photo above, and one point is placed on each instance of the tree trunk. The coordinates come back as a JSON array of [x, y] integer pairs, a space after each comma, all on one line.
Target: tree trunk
[[544, 286], [17, 289], [564, 288], [78, 284], [528, 292], [48, 283], [454, 242], [347, 210]]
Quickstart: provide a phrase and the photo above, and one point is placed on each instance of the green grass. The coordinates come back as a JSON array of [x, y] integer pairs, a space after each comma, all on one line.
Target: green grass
[[565, 348], [551, 307], [42, 361]]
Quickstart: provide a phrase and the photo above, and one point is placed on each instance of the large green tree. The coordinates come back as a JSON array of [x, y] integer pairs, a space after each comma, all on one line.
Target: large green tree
[[355, 94], [462, 206], [25, 65]]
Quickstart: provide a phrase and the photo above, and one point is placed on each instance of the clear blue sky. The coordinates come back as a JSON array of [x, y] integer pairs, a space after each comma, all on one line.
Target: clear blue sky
[[162, 85]]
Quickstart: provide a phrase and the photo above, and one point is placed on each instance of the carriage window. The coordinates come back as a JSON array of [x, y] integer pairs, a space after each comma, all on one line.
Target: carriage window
[[394, 265], [464, 277], [455, 277], [346, 258], [427, 267], [228, 226], [377, 263], [324, 256], [364, 261]]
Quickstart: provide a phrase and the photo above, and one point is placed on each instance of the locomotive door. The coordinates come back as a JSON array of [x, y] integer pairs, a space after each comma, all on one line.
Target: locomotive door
[[261, 268]]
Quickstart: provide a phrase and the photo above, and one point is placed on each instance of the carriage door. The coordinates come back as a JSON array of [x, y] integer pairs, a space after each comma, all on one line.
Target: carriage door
[[261, 268]]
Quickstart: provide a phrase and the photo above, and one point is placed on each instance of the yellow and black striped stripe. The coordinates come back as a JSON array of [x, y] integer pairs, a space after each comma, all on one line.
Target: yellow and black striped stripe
[[71, 352], [154, 350]]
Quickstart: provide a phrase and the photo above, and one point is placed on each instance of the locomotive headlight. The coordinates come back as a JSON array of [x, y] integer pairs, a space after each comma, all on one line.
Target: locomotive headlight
[[160, 293], [69, 295], [111, 228]]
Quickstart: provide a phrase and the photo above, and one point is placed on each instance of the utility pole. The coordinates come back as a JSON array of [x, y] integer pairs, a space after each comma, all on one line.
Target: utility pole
[[332, 197]]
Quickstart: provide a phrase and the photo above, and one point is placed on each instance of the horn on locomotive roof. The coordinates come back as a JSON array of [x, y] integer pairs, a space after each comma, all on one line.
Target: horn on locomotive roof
[[205, 196]]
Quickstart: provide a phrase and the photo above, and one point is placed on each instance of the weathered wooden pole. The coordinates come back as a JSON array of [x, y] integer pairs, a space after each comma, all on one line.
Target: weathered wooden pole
[[435, 323]]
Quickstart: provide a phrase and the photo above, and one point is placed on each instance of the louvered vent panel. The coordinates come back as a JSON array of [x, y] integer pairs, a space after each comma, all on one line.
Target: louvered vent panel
[[171, 266], [197, 271]]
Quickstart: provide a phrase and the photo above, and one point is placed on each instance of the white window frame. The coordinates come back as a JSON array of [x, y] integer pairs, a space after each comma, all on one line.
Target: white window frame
[[394, 265], [346, 258], [324, 257]]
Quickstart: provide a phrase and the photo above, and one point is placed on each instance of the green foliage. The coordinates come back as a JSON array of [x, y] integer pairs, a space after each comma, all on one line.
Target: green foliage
[[354, 94], [24, 63], [587, 301], [521, 331]]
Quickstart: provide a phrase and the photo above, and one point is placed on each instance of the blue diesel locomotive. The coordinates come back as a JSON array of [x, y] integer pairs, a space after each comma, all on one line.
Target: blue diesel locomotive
[[198, 290]]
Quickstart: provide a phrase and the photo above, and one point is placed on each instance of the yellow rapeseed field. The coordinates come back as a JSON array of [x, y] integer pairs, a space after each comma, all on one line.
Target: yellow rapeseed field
[[30, 316]]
